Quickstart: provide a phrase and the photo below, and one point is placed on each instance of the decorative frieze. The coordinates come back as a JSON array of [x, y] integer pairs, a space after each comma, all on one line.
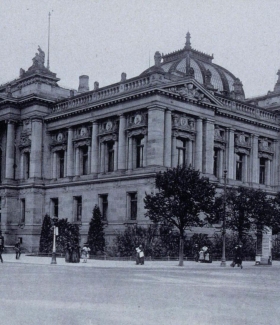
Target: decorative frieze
[[184, 135], [220, 138], [183, 122], [109, 137]]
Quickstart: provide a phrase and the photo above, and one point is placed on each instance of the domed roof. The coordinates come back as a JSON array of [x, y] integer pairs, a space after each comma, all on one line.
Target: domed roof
[[197, 64]]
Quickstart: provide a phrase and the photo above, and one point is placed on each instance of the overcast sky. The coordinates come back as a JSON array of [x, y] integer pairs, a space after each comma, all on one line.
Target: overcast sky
[[103, 38]]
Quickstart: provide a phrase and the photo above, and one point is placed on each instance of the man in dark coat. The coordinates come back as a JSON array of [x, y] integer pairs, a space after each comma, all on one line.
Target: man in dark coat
[[1, 246], [237, 256]]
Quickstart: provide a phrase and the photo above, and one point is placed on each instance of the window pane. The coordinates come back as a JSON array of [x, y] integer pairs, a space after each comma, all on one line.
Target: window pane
[[85, 160], [133, 206], [262, 170], [239, 167], [110, 146]]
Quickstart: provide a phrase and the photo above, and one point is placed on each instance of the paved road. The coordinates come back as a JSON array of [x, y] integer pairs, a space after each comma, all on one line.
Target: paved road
[[121, 293]]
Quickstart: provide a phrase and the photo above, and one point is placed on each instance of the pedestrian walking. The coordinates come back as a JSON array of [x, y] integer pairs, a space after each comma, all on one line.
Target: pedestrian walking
[[137, 255], [1, 246], [18, 249], [76, 254], [141, 255], [85, 253], [237, 257]]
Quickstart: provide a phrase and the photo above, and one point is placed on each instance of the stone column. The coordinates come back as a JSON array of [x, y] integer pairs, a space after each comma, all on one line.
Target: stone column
[[245, 169], [77, 161], [268, 172], [255, 159], [22, 165], [230, 166], [116, 155], [198, 145], [209, 146], [70, 154], [274, 164], [167, 138], [54, 165], [174, 151], [121, 144], [94, 148], [155, 150], [10, 150], [145, 150], [130, 153], [36, 149], [102, 158], [221, 163]]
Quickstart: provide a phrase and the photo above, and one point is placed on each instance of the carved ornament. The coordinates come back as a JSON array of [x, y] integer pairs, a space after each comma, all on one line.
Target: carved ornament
[[242, 140], [25, 142], [242, 150], [59, 148], [82, 132], [82, 143], [137, 119], [183, 122], [190, 91], [108, 126], [265, 145], [109, 137], [219, 134], [265, 155], [135, 132], [58, 139], [184, 135]]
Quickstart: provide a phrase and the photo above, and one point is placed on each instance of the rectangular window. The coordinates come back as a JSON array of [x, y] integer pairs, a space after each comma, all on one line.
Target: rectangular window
[[103, 203], [181, 151], [139, 152], [110, 147], [54, 207], [216, 162], [84, 151], [60, 156], [239, 164], [262, 170], [22, 211], [26, 159], [77, 208], [133, 206]]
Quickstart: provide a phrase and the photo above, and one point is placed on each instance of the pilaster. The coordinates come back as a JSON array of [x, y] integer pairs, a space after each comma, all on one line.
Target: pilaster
[[198, 145]]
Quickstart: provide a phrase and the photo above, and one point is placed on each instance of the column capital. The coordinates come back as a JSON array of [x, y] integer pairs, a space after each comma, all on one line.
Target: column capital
[[37, 119], [94, 121], [230, 129], [157, 107]]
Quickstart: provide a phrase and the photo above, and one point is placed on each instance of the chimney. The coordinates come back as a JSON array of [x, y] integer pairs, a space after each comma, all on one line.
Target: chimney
[[83, 84]]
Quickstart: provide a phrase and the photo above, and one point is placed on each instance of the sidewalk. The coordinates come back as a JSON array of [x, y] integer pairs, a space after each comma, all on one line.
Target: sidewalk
[[38, 260]]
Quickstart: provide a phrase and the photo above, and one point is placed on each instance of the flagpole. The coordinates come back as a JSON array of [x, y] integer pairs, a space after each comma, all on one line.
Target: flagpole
[[48, 63]]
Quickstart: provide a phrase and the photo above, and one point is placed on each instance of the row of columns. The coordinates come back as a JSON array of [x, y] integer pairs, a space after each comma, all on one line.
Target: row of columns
[[160, 149]]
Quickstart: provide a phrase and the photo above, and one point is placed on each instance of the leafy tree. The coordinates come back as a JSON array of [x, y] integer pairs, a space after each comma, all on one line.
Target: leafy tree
[[67, 233], [96, 237], [182, 196], [247, 210], [46, 237]]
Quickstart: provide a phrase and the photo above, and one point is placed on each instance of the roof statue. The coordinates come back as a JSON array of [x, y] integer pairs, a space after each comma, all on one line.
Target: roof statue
[[39, 58], [38, 66]]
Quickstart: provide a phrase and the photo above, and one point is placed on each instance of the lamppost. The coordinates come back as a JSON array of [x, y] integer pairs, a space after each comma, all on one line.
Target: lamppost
[[55, 233], [223, 261]]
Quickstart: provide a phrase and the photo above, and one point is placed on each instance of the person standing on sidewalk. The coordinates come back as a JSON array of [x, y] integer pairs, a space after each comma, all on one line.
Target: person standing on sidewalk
[[1, 245], [137, 255], [141, 255], [85, 252], [18, 250]]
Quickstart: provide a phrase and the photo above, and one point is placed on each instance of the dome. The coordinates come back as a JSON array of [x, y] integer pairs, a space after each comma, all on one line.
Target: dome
[[197, 64]]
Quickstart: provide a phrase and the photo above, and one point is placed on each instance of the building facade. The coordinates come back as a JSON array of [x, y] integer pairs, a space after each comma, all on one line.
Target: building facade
[[62, 151]]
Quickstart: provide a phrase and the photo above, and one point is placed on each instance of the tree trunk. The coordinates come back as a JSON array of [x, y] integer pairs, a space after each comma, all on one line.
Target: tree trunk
[[181, 250], [259, 241]]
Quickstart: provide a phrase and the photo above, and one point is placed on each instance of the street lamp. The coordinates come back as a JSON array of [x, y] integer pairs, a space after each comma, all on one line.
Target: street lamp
[[223, 261], [55, 233]]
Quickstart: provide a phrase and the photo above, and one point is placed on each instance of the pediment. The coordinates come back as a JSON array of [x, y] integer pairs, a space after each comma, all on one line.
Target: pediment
[[191, 89]]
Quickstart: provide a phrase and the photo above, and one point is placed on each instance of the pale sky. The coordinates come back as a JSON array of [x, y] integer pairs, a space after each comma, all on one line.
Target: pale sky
[[103, 38]]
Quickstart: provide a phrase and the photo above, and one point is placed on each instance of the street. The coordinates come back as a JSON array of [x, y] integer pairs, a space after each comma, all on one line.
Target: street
[[121, 293]]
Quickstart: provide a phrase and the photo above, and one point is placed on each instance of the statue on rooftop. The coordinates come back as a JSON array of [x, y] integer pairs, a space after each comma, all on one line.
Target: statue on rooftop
[[39, 59]]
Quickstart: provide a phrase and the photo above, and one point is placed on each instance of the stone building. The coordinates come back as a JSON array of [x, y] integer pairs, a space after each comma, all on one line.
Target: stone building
[[63, 151]]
